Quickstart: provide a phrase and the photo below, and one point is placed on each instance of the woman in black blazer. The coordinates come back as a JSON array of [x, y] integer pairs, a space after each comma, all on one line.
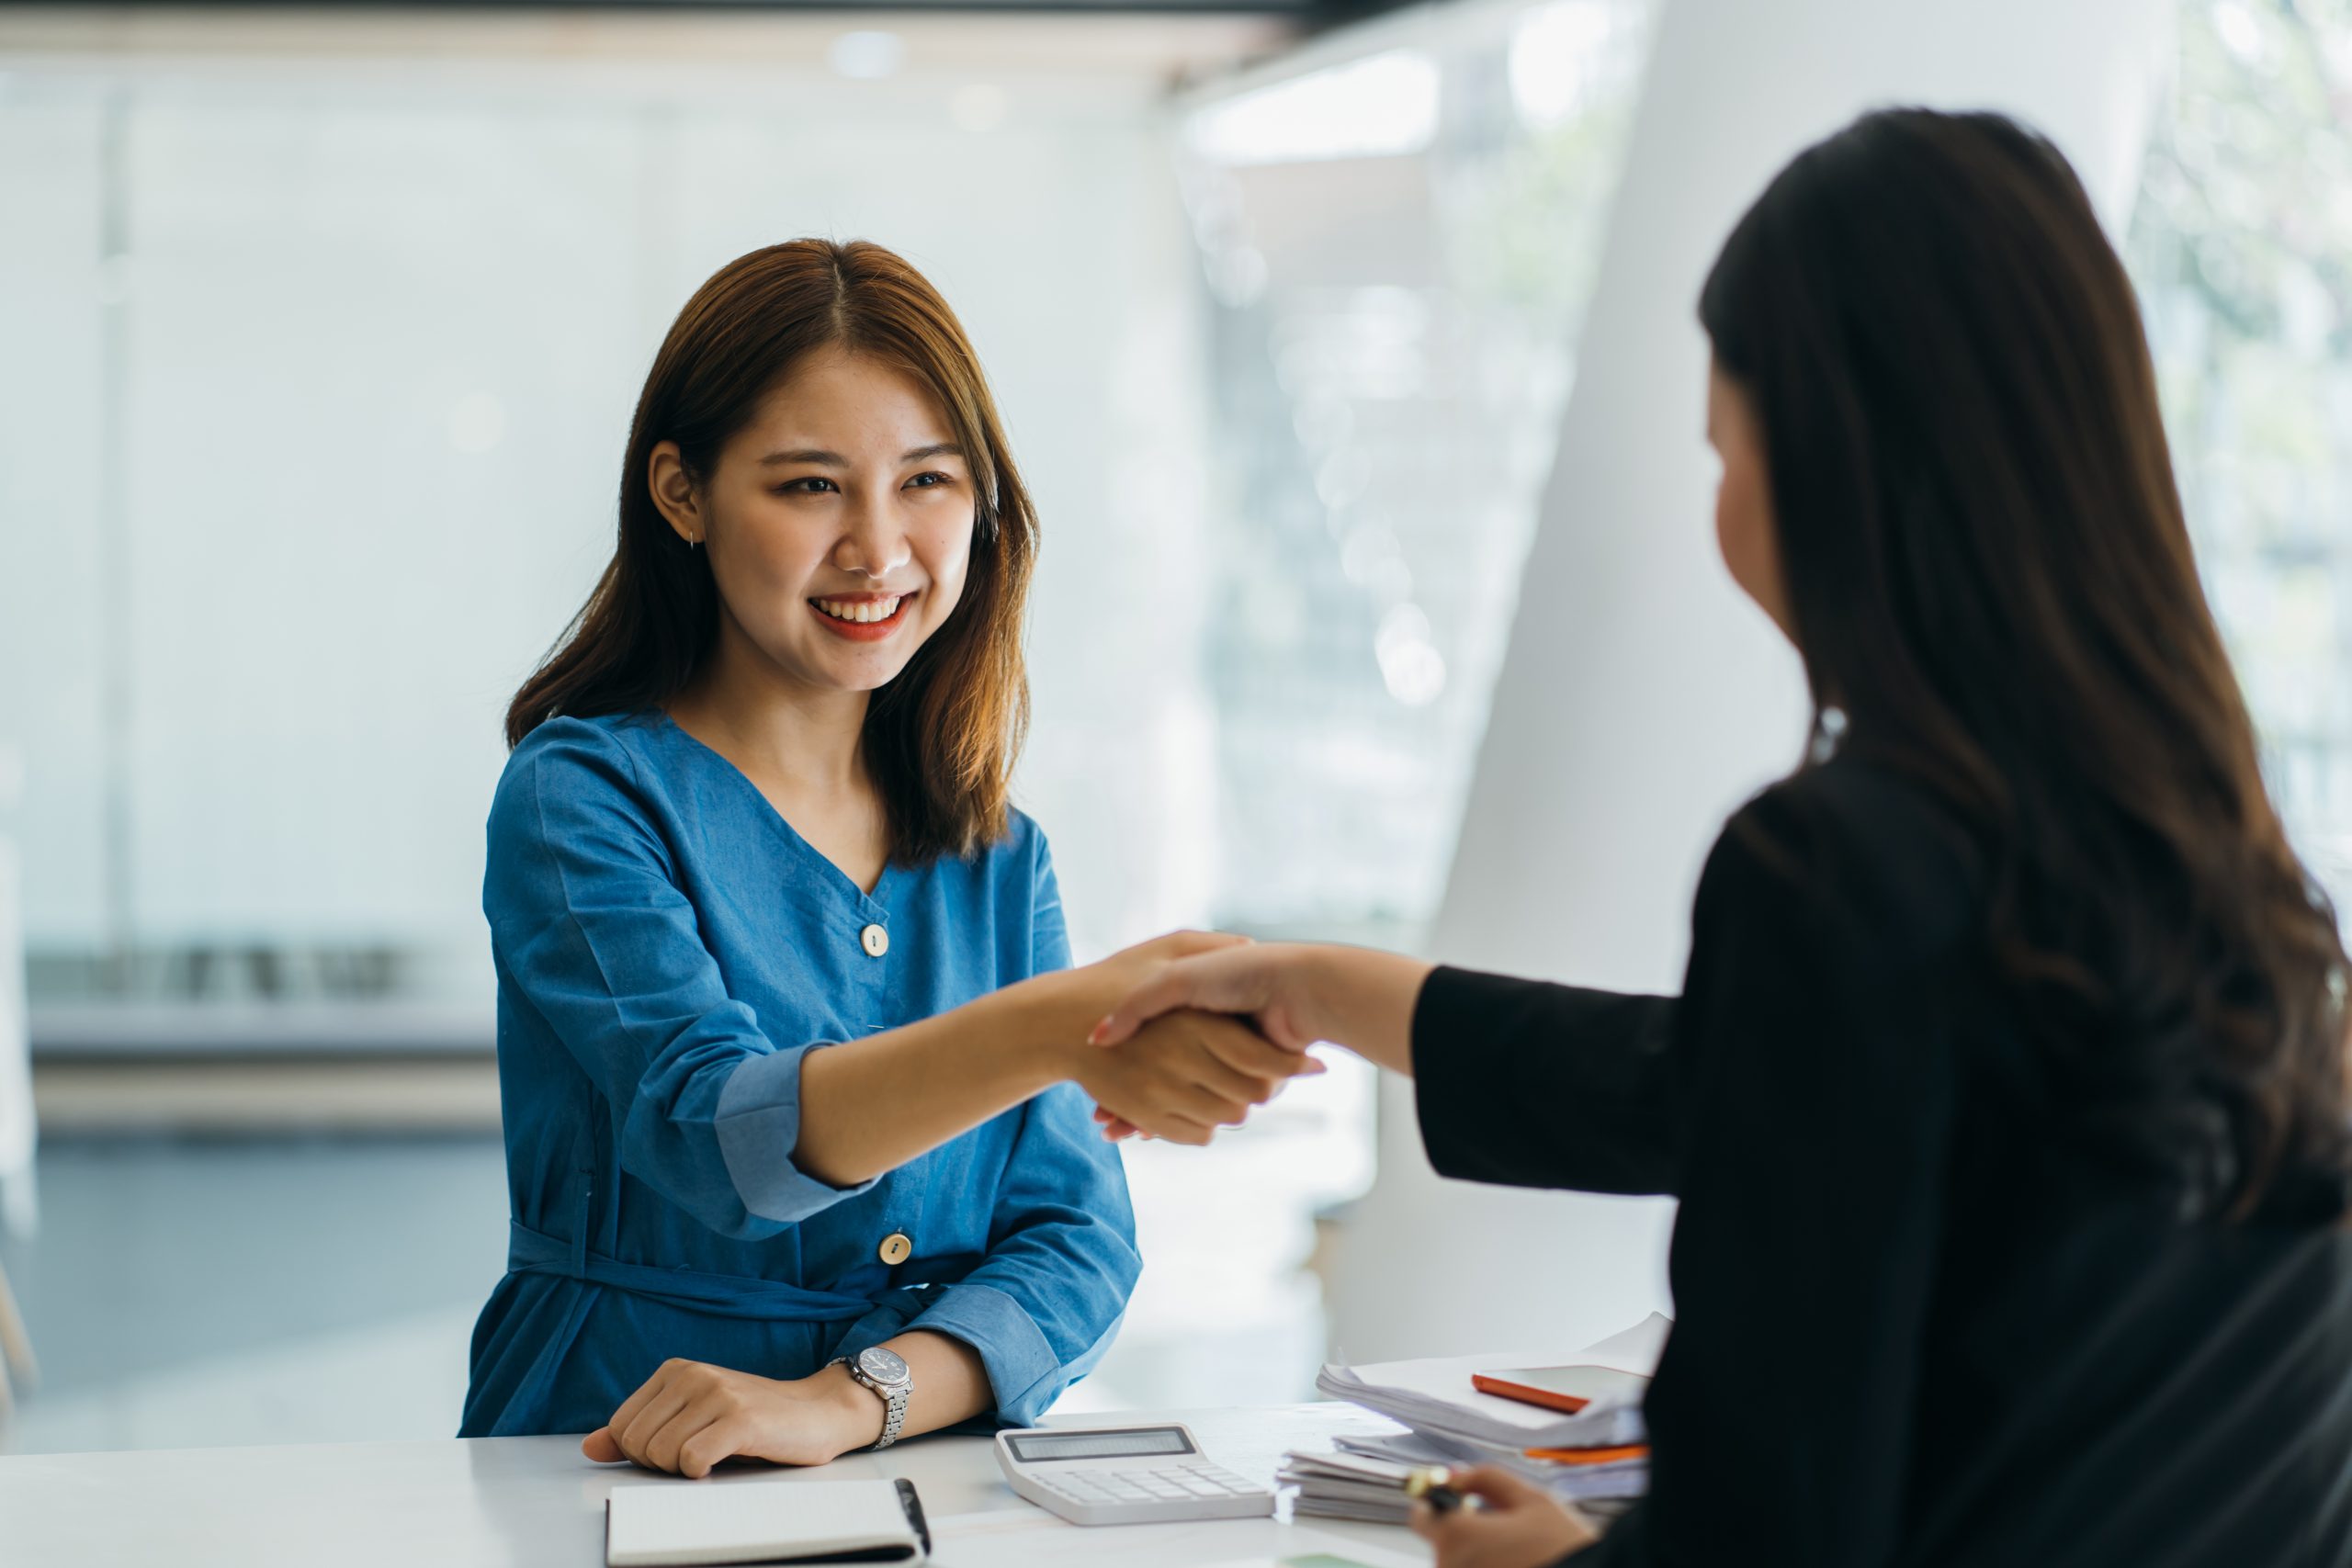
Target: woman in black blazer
[[2005, 1097]]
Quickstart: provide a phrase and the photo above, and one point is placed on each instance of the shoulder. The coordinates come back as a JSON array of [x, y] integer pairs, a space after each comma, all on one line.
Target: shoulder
[[572, 763], [1855, 851], [1015, 861], [1024, 842], [600, 746], [1018, 859]]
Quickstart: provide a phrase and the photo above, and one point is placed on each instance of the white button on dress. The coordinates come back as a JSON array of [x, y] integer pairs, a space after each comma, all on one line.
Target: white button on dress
[[875, 940]]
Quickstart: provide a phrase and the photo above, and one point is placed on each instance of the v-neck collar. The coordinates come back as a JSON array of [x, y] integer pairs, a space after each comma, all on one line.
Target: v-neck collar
[[873, 906]]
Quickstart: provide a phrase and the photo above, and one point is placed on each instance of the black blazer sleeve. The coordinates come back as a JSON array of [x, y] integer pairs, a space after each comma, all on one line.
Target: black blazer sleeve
[[1525, 1084], [1815, 1069]]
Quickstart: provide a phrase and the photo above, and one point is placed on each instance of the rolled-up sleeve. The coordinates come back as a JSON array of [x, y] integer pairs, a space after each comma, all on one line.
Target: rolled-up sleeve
[[759, 1127], [592, 930]]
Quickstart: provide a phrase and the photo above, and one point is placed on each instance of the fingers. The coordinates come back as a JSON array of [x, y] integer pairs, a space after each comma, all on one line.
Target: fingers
[[1166, 991], [1238, 978], [1244, 1050], [1500, 1487], [1233, 1093], [633, 1406], [636, 1437], [1173, 1085], [1185, 944], [1460, 1535], [662, 1452], [1115, 1126], [1177, 1114], [711, 1446], [602, 1447], [1184, 1075], [1510, 1523], [637, 1402]]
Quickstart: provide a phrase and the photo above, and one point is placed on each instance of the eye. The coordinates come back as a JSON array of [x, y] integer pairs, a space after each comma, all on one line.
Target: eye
[[930, 481], [813, 484]]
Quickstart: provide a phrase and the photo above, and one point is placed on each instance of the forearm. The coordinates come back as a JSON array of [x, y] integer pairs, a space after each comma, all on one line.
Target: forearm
[[869, 1106], [950, 1386], [1363, 999]]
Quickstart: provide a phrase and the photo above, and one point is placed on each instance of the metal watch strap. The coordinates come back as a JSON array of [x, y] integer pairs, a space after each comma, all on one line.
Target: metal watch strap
[[893, 1401]]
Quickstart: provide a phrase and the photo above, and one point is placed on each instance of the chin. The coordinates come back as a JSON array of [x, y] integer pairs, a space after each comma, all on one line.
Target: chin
[[854, 673]]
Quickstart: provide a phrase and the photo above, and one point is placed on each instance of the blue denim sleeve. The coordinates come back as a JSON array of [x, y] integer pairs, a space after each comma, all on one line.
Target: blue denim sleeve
[[589, 923], [1044, 1305]]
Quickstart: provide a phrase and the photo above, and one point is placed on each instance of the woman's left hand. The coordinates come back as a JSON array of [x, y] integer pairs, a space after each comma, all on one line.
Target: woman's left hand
[[1521, 1525], [691, 1415]]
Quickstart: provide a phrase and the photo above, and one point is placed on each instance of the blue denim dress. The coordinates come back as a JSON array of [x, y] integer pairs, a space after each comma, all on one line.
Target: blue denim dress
[[668, 949]]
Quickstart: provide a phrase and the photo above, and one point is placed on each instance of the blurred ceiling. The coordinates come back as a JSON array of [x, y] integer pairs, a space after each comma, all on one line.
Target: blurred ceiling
[[1168, 42]]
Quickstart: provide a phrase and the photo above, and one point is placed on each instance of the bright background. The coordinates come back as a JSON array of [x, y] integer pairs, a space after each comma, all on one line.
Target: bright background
[[319, 335]]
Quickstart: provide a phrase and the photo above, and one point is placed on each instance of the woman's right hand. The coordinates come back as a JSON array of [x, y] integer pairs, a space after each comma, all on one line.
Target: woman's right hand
[[1059, 1008], [1191, 1075], [1293, 995], [1183, 1076]]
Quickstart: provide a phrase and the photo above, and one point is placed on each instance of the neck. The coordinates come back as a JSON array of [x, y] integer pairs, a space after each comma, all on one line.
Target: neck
[[812, 737]]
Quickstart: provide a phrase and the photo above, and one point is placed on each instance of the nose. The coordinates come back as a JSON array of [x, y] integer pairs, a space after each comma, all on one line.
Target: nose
[[874, 541]]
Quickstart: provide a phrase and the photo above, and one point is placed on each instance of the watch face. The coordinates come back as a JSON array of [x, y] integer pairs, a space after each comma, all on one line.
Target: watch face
[[882, 1366]]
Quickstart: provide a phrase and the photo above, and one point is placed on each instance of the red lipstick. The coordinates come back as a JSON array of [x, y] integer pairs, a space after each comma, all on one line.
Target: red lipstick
[[862, 631]]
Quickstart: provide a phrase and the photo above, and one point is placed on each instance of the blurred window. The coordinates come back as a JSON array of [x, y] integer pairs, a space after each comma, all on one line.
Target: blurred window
[[2241, 248], [1398, 245], [1399, 232]]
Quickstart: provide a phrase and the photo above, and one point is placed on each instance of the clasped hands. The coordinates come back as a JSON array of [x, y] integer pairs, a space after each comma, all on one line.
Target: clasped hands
[[1251, 1005], [1163, 1060]]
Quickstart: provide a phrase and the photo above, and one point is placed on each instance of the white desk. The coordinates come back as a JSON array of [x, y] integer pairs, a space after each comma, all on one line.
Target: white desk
[[536, 1503]]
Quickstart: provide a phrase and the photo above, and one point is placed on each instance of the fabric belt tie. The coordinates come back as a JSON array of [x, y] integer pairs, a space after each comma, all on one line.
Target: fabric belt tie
[[721, 1295]]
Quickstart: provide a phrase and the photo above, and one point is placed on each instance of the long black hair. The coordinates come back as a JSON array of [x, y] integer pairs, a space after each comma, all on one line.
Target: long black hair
[[1989, 577]]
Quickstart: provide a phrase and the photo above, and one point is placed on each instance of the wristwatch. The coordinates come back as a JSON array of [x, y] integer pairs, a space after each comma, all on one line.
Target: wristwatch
[[888, 1376]]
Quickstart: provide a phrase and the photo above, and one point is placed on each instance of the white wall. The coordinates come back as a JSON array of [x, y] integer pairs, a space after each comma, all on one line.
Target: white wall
[[384, 318], [1641, 699]]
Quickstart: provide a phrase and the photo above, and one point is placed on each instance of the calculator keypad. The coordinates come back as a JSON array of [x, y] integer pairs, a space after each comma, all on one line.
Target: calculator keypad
[[1174, 1484]]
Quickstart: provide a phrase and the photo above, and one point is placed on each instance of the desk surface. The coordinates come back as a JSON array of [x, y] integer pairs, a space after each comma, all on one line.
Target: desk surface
[[536, 1503]]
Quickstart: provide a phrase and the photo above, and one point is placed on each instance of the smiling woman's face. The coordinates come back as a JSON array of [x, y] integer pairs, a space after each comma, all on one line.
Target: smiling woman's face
[[838, 521]]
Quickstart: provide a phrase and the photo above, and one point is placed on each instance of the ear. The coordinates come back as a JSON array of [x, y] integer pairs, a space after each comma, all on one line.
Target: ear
[[674, 493]]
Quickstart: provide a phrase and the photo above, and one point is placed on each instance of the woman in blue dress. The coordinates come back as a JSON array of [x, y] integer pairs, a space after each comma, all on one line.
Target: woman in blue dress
[[796, 1094]]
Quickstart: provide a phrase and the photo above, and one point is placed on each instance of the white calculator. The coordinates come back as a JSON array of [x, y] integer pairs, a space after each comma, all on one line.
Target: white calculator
[[1126, 1475]]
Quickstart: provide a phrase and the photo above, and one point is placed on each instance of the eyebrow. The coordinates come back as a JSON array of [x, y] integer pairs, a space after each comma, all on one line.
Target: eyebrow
[[835, 461]]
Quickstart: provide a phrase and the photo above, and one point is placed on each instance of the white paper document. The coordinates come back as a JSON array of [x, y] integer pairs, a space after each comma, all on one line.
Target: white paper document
[[1435, 1396]]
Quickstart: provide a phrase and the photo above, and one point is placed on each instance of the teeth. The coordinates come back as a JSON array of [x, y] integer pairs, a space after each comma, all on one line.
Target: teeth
[[863, 612]]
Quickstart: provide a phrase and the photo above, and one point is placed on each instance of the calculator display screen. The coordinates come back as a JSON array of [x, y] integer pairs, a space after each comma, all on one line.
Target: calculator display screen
[[1032, 1447]]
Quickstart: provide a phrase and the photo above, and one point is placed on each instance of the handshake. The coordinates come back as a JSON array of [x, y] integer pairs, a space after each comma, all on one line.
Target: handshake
[[1181, 1035]]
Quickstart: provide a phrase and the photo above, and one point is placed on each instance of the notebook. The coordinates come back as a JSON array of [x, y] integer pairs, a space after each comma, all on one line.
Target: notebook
[[698, 1524]]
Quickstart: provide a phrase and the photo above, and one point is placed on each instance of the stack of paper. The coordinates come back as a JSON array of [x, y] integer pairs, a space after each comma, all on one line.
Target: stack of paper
[[1348, 1486], [1597, 1456], [1365, 1480]]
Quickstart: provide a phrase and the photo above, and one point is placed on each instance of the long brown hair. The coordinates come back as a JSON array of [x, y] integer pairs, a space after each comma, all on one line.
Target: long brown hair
[[942, 736], [1989, 576]]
